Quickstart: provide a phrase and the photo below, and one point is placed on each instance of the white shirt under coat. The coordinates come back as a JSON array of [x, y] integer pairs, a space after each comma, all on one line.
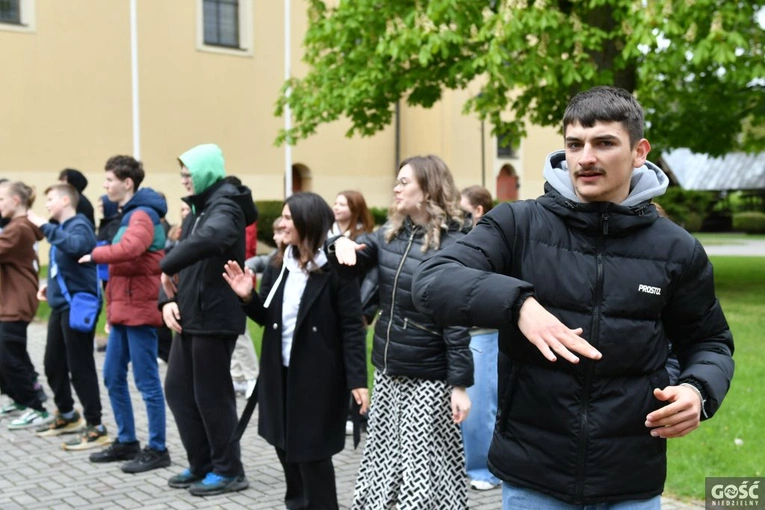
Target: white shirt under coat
[[293, 293]]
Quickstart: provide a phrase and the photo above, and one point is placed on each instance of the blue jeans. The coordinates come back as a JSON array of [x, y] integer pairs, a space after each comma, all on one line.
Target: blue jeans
[[517, 498], [478, 428], [136, 344]]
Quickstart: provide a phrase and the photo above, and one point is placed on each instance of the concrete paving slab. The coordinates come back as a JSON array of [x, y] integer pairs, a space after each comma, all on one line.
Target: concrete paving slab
[[36, 473]]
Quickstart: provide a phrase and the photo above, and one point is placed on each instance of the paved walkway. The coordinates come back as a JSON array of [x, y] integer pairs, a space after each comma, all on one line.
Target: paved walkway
[[36, 473], [748, 248]]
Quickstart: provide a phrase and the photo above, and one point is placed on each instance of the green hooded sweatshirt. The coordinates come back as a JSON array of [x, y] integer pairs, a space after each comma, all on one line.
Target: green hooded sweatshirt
[[206, 165]]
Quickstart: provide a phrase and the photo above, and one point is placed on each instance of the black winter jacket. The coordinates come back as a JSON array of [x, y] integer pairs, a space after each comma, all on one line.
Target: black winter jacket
[[631, 280], [211, 235], [406, 341]]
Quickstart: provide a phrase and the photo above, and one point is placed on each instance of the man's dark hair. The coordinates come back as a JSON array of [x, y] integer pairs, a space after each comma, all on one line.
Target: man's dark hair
[[126, 166], [606, 104]]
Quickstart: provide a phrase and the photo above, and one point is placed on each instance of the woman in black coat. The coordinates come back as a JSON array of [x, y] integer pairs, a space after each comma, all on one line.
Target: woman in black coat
[[314, 352]]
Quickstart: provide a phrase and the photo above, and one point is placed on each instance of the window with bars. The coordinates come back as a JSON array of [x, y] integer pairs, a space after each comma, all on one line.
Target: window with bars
[[10, 11], [221, 23]]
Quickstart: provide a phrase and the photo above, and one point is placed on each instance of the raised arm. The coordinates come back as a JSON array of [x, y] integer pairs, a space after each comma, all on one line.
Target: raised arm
[[136, 239], [75, 241], [221, 230], [360, 254], [477, 268]]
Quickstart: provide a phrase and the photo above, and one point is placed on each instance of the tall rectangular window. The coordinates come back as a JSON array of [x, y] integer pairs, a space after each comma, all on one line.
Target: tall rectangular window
[[10, 11], [221, 23]]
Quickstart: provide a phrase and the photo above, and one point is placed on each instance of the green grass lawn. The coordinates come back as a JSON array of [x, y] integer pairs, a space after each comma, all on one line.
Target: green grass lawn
[[712, 450]]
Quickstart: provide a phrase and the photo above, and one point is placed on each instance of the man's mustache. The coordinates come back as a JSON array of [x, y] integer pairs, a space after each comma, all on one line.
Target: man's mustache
[[590, 171]]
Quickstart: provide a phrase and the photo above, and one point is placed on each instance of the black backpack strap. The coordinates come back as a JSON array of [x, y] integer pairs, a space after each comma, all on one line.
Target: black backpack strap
[[244, 420]]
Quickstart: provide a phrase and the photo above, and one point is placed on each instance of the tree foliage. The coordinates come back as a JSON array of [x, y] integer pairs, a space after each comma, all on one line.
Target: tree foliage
[[697, 66]]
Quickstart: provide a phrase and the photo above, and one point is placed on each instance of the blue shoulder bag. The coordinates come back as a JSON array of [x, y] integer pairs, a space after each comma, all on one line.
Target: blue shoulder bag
[[83, 306]]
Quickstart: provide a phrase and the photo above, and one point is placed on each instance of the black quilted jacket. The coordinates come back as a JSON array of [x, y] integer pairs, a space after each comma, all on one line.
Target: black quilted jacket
[[407, 342], [632, 280]]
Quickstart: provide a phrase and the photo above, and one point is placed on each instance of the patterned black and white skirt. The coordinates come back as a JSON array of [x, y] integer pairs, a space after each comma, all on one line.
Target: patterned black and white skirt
[[413, 458]]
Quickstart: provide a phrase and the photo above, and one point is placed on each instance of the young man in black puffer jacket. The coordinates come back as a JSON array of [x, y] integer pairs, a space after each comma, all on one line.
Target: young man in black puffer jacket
[[590, 269]]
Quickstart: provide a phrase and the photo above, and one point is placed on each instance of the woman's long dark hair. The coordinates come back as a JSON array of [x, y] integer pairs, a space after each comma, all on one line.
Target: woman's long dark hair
[[313, 218]]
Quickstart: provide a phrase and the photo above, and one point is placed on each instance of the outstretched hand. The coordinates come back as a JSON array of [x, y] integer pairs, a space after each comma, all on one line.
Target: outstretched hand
[[551, 336], [345, 251], [36, 219], [239, 281]]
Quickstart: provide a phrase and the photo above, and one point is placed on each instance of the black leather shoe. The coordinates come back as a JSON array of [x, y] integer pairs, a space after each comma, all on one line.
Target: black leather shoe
[[147, 460], [117, 451]]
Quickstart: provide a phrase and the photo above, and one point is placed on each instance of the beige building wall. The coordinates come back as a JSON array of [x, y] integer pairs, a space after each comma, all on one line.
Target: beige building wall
[[534, 149], [67, 84]]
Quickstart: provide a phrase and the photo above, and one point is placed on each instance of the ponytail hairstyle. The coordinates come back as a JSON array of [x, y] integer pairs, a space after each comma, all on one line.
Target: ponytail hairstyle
[[26, 194]]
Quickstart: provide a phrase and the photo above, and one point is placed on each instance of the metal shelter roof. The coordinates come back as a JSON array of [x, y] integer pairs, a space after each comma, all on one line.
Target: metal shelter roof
[[732, 172]]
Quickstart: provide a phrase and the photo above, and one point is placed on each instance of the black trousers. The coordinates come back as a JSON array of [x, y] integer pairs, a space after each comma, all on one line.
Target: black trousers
[[310, 485], [17, 373], [69, 362], [200, 394], [164, 341]]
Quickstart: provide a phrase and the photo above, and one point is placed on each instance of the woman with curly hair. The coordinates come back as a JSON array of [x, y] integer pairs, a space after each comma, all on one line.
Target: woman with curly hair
[[413, 456]]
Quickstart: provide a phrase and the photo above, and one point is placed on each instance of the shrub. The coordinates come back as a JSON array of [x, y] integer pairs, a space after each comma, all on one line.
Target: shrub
[[693, 221], [379, 215], [749, 222], [687, 208], [268, 211]]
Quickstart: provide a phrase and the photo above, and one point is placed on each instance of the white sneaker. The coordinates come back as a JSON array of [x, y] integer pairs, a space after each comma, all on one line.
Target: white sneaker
[[31, 418], [250, 387], [481, 485]]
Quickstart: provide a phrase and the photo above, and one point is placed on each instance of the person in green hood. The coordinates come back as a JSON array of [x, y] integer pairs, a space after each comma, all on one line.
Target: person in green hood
[[197, 304]]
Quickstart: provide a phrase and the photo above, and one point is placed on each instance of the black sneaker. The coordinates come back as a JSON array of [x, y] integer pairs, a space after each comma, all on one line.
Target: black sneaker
[[217, 484], [184, 479], [148, 459], [117, 451]]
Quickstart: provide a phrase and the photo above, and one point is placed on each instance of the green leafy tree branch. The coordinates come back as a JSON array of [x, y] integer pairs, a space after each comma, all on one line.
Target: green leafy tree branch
[[697, 66]]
